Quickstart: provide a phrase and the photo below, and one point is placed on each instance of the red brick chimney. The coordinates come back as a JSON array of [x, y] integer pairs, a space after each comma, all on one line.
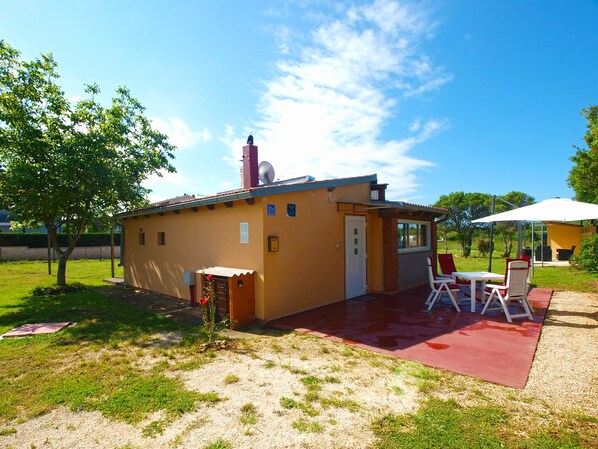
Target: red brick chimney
[[250, 164]]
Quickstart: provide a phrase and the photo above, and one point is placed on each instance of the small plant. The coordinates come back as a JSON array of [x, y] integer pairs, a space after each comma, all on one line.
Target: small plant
[[231, 379], [311, 382], [219, 444], [209, 313], [153, 429], [177, 441], [398, 390], [302, 425], [289, 403], [248, 414], [349, 404], [270, 364]]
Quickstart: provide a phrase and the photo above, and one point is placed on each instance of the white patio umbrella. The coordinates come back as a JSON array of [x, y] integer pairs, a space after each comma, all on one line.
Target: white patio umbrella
[[556, 209]]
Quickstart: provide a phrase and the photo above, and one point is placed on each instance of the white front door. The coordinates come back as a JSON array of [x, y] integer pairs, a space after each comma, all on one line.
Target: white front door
[[355, 256]]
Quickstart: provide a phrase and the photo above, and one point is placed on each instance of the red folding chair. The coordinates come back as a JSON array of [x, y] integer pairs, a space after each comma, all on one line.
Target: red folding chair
[[447, 268]]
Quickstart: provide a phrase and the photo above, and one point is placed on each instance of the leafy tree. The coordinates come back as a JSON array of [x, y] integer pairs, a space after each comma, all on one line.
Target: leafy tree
[[583, 177], [70, 165], [508, 229], [463, 208]]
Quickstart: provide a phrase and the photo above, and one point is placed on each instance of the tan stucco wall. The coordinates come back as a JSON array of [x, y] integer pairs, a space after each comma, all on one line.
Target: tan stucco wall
[[194, 240], [308, 270], [563, 236]]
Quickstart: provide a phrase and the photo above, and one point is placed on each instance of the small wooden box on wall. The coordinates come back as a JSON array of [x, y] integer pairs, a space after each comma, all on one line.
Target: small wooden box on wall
[[273, 244]]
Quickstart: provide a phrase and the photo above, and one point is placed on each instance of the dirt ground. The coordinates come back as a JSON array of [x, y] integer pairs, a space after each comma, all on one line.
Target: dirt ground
[[263, 380]]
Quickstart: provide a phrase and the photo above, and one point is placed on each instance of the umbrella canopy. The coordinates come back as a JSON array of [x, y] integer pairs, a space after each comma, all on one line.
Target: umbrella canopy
[[556, 209]]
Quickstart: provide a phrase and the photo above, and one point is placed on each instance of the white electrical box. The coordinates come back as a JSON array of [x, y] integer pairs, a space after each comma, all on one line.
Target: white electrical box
[[189, 277]]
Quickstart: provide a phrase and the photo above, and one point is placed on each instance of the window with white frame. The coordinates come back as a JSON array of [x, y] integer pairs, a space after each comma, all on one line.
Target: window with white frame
[[244, 233], [413, 235]]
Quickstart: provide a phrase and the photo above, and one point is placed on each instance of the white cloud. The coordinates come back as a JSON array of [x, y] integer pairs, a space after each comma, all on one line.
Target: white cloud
[[179, 133], [323, 113]]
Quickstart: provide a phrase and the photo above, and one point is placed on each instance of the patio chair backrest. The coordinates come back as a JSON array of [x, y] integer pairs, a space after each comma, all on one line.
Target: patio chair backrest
[[525, 259], [517, 278], [430, 272], [447, 263]]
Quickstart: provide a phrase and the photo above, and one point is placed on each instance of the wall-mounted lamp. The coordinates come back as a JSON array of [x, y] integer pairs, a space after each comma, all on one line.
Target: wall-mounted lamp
[[240, 283], [330, 190], [140, 230]]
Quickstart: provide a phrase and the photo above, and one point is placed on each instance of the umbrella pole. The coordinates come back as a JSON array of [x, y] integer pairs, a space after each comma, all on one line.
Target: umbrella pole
[[491, 235], [533, 252], [542, 243], [519, 248]]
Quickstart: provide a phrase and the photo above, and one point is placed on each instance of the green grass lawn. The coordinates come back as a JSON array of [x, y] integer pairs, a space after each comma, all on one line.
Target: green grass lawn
[[91, 365]]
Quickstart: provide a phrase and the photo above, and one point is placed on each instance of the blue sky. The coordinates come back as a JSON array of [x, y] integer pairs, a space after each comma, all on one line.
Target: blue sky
[[433, 96]]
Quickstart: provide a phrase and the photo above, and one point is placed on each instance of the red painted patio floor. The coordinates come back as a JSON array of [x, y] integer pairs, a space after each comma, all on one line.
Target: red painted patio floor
[[486, 347]]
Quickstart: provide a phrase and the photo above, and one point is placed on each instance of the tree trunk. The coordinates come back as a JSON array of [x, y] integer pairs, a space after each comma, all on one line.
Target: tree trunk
[[508, 245], [61, 274], [63, 256], [62, 260]]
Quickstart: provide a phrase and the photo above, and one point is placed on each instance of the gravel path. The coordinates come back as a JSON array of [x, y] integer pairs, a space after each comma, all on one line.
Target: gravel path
[[565, 368]]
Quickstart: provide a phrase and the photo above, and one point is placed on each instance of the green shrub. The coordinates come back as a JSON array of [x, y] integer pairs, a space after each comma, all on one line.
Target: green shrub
[[587, 259], [484, 247], [467, 251]]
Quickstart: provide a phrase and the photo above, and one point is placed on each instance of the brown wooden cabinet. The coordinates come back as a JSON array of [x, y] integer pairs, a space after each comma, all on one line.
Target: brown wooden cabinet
[[234, 293]]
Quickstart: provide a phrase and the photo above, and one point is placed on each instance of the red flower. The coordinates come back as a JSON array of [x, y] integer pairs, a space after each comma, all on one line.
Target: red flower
[[203, 301], [209, 277]]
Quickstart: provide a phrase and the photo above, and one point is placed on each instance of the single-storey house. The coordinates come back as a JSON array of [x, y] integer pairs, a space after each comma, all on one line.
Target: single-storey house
[[308, 243]]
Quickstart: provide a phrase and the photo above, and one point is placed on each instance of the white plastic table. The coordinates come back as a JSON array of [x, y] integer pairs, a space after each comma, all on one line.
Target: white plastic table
[[475, 276]]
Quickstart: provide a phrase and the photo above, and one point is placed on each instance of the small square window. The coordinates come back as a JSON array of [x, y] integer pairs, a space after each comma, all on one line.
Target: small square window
[[142, 238], [161, 238]]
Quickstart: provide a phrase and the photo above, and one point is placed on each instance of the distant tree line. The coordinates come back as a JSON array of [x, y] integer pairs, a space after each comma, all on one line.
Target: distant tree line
[[465, 207]]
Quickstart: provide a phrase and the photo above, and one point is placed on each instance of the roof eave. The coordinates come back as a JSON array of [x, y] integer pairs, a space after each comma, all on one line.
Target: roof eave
[[186, 205], [252, 193]]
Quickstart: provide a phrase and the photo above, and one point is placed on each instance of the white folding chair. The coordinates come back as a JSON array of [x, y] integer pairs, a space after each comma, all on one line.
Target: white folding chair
[[440, 287], [514, 290]]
